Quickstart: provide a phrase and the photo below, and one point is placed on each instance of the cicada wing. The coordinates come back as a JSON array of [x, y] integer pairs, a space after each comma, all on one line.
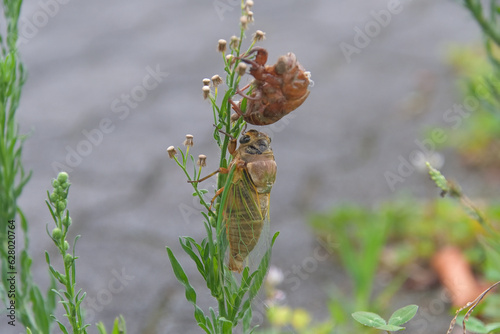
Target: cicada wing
[[246, 220]]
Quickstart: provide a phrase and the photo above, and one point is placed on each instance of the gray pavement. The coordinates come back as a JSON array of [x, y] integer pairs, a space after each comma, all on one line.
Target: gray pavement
[[86, 58]]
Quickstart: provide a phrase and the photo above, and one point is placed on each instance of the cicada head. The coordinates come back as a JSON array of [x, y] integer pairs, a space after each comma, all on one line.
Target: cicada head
[[254, 142]]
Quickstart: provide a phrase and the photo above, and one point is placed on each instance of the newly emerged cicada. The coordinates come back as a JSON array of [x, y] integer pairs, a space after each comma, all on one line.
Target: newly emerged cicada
[[246, 209]]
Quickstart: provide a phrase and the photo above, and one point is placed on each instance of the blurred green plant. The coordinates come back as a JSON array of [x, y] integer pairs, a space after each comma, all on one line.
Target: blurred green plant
[[31, 306], [399, 238], [478, 139], [70, 298], [358, 237], [398, 318], [490, 241], [283, 319], [234, 296]]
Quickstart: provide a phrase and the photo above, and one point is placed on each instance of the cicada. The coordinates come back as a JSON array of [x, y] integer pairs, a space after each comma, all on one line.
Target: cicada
[[276, 90], [246, 209]]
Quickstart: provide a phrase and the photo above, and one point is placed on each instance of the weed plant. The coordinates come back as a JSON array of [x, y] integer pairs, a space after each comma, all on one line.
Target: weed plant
[[234, 295]]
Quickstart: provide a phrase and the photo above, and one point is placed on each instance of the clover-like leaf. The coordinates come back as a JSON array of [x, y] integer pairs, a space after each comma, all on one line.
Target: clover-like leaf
[[369, 319], [403, 315]]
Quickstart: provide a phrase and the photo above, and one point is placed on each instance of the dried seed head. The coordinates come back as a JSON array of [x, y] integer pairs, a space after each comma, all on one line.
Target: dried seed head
[[171, 152], [188, 141], [216, 80], [248, 4], [249, 16], [241, 69], [259, 36], [206, 82], [222, 45], [233, 44], [202, 160], [244, 22], [206, 92]]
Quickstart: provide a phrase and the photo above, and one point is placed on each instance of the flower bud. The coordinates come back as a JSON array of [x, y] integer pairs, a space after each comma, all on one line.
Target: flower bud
[[235, 41], [65, 245], [56, 233], [189, 140], [259, 36], [241, 69], [61, 205], [53, 197], [202, 160], [206, 82], [62, 177], [171, 152], [216, 80], [206, 92], [244, 22], [248, 4], [68, 259], [230, 60], [250, 16], [222, 45], [67, 221], [55, 183]]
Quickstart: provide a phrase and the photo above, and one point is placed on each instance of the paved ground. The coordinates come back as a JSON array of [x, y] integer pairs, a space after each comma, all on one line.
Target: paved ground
[[363, 115]]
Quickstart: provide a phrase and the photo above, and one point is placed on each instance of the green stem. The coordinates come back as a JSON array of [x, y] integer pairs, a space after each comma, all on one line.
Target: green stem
[[475, 9], [194, 184]]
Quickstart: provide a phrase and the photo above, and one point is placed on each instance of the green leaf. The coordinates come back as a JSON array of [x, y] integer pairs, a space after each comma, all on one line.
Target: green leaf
[[61, 327], [227, 326], [493, 326], [187, 246], [369, 319], [473, 325], [41, 316], [390, 328], [182, 277], [101, 328], [403, 315]]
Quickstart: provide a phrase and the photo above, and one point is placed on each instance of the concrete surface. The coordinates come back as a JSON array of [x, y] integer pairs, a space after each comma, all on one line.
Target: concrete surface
[[84, 57]]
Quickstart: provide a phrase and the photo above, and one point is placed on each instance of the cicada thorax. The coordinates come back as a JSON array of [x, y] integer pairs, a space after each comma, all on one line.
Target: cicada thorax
[[247, 205]]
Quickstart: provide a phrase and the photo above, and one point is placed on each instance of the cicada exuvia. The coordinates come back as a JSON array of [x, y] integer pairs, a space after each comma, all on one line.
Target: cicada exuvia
[[246, 206]]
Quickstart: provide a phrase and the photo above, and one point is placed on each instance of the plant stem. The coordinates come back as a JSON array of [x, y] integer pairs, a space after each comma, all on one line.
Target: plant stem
[[476, 10]]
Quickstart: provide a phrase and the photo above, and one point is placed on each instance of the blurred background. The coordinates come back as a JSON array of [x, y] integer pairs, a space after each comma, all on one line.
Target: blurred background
[[112, 84]]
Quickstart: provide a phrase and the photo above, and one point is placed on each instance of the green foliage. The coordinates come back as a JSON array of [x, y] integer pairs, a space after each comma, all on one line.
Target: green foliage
[[477, 326], [283, 318], [70, 299], [32, 307], [398, 318], [477, 135], [119, 327], [358, 237]]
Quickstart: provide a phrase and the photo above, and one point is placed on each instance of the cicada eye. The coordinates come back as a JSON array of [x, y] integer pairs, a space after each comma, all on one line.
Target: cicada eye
[[244, 139], [262, 145]]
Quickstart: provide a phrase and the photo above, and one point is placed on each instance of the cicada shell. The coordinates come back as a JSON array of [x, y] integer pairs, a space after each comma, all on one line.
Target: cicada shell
[[276, 90], [246, 211]]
